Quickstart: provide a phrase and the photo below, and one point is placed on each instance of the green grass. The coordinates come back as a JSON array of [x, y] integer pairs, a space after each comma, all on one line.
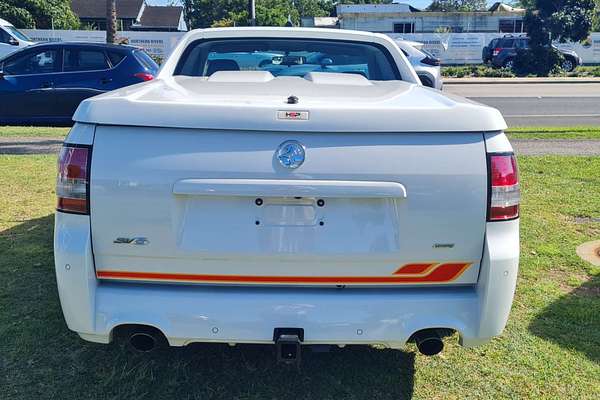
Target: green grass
[[576, 132], [32, 131], [550, 349]]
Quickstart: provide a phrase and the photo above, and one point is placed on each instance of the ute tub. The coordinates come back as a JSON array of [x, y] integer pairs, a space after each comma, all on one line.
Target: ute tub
[[331, 102], [190, 313]]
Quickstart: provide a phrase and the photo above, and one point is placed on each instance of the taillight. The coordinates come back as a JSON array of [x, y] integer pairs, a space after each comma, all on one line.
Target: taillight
[[505, 194], [145, 76], [72, 182], [497, 51]]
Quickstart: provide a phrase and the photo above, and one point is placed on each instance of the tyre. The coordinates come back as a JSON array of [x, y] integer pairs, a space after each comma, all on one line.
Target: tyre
[[510, 63], [568, 65]]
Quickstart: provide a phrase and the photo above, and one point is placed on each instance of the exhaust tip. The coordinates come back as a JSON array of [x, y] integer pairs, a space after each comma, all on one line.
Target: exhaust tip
[[142, 342], [429, 342], [430, 346]]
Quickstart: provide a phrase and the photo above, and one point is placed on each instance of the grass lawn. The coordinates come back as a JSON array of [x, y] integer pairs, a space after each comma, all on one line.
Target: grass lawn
[[550, 349], [578, 132], [32, 131], [552, 132]]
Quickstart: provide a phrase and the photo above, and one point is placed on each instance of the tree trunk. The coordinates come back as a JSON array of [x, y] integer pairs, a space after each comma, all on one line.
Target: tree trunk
[[111, 21], [252, 12]]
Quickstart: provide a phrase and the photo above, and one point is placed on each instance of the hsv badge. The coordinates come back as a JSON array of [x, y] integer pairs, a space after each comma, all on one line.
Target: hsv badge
[[293, 115]]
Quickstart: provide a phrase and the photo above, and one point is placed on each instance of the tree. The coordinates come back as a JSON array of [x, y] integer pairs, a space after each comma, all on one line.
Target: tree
[[315, 8], [596, 20], [523, 3], [206, 13], [553, 20], [458, 5], [111, 21], [40, 14]]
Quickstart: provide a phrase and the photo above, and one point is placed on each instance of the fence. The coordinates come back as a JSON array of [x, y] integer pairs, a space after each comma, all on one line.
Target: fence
[[157, 44], [451, 48]]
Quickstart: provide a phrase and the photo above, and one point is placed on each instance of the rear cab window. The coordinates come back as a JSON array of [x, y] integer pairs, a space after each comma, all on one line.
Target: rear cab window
[[288, 57]]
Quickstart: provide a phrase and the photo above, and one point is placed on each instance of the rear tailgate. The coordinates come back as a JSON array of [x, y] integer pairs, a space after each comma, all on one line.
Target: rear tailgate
[[216, 207]]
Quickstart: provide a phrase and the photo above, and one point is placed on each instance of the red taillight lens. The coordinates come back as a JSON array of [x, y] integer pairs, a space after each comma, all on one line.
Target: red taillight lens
[[144, 76], [505, 194], [497, 51], [72, 180]]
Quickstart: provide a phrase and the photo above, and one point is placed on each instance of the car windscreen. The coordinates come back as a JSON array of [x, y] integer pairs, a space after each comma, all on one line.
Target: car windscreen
[[288, 57], [16, 33]]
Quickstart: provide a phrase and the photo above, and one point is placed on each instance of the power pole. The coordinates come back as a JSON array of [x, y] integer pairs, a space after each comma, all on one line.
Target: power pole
[[111, 21], [252, 6]]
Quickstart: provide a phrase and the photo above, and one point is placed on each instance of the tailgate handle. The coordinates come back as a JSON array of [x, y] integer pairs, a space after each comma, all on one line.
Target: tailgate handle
[[289, 188]]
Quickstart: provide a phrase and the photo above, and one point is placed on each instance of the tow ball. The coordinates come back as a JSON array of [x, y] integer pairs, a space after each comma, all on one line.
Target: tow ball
[[287, 345]]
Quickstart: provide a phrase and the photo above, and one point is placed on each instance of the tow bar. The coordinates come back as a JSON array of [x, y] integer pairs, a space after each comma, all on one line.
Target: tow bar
[[287, 345]]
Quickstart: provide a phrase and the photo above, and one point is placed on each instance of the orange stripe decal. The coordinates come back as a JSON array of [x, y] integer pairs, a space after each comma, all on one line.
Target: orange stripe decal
[[442, 273], [414, 269]]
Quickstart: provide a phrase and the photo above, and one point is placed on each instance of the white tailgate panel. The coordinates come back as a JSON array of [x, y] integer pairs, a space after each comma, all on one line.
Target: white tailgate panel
[[390, 200]]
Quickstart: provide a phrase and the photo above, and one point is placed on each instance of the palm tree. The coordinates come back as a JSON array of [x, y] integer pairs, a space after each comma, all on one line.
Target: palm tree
[[111, 21]]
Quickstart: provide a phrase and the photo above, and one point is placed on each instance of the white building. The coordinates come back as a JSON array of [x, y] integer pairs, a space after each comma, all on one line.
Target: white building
[[403, 18]]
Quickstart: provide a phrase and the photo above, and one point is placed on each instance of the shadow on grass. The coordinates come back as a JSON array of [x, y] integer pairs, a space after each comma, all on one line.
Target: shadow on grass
[[40, 358], [573, 321]]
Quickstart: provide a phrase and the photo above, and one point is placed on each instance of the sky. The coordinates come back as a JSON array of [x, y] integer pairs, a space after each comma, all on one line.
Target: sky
[[415, 3]]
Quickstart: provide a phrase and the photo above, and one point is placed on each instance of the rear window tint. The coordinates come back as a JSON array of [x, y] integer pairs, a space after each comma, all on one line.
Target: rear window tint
[[84, 60], [115, 58], [145, 59]]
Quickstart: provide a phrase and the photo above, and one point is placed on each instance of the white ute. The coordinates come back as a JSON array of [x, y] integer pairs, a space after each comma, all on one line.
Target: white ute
[[288, 186]]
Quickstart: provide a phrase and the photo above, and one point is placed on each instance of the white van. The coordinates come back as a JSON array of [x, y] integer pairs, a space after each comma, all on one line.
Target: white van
[[11, 39]]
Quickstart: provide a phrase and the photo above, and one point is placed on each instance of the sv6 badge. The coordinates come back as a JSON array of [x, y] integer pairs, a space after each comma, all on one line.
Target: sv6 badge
[[138, 241]]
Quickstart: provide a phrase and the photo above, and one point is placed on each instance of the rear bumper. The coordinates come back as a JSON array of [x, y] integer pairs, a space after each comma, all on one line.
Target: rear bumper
[[186, 314]]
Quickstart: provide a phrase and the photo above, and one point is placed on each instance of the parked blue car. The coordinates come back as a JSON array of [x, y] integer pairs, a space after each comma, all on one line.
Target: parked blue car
[[44, 83]]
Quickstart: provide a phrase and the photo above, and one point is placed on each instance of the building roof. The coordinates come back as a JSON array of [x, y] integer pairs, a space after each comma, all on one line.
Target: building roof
[[97, 8], [375, 8], [161, 17], [499, 6]]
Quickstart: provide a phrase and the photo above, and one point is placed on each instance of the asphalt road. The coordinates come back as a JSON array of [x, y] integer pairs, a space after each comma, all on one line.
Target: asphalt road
[[538, 104]]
